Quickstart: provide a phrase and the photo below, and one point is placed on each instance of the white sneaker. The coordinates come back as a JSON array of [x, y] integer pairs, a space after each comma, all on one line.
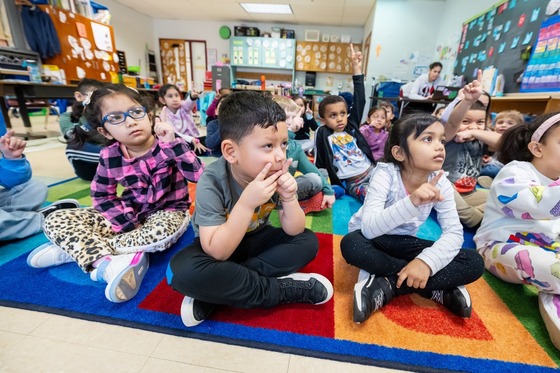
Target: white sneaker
[[123, 275], [549, 305], [48, 255]]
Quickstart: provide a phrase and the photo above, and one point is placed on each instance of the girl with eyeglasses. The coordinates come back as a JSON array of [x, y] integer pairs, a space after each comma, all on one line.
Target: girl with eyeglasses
[[110, 240]]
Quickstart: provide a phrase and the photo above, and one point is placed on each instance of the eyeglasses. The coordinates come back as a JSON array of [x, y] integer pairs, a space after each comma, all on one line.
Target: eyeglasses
[[119, 116]]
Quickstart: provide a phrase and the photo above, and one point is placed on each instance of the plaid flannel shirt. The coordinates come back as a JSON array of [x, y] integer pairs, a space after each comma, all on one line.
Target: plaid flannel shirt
[[152, 182]]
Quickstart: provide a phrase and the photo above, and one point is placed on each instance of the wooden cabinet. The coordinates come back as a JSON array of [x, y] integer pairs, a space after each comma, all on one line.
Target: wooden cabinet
[[87, 47], [324, 57]]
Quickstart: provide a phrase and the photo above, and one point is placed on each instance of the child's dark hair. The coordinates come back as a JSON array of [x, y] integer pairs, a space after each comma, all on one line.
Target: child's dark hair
[[386, 104], [374, 109], [329, 100], [435, 64], [514, 142], [166, 87], [241, 111], [411, 124], [92, 111], [85, 86]]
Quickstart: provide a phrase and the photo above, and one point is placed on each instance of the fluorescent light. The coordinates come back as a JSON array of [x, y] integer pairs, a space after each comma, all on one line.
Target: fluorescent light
[[267, 8]]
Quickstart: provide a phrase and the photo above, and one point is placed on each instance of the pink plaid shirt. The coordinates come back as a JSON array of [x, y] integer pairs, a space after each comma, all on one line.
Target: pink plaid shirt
[[152, 182]]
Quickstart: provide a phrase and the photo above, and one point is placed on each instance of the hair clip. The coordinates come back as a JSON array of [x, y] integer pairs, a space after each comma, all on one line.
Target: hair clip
[[86, 127], [87, 100]]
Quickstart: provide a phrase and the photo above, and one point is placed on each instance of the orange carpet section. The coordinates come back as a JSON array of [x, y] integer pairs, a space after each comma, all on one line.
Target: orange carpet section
[[415, 323]]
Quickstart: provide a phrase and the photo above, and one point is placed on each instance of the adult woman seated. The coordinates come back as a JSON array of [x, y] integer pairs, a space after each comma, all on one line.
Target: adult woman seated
[[425, 85]]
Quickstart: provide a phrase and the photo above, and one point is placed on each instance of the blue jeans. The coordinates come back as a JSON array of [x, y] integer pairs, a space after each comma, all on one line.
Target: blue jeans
[[18, 210]]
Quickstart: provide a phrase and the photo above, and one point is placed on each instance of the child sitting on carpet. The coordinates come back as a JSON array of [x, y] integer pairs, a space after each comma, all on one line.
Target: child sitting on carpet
[[110, 240], [21, 196], [178, 112], [374, 131], [313, 190], [518, 237], [383, 239], [238, 259], [340, 147]]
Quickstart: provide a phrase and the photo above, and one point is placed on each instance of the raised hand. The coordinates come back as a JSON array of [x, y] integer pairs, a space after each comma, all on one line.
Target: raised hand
[[261, 189], [356, 60], [164, 131], [297, 121], [308, 110], [427, 192], [10, 146], [473, 90]]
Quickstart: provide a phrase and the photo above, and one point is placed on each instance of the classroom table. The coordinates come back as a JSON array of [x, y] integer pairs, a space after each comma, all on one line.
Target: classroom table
[[23, 90]]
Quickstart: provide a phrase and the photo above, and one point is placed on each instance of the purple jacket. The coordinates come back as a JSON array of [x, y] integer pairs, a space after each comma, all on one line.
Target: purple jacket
[[376, 141]]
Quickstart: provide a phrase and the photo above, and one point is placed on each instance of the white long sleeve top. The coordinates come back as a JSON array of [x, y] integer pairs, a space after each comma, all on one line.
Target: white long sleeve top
[[521, 200], [388, 209], [422, 87]]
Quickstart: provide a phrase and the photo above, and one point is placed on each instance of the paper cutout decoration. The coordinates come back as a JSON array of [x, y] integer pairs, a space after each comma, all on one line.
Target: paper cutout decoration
[[502, 7], [81, 28], [514, 42], [501, 48], [498, 32], [491, 52], [535, 14], [507, 26], [377, 50], [527, 38], [521, 21], [512, 4], [481, 56], [102, 37]]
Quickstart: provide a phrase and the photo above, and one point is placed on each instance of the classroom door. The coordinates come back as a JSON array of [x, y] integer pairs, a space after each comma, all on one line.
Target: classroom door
[[196, 63]]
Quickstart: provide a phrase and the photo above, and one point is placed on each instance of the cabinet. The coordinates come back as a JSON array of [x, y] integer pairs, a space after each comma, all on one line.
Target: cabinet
[[87, 47], [324, 57], [252, 57]]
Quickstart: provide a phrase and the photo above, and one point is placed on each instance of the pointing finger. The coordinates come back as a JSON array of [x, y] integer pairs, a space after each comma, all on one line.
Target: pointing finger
[[286, 165], [436, 178], [262, 175]]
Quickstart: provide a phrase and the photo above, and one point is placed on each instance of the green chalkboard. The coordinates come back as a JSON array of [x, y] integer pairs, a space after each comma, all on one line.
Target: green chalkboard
[[501, 37]]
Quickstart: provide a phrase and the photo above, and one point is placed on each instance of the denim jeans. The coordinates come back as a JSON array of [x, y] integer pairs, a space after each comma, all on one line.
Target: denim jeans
[[18, 210]]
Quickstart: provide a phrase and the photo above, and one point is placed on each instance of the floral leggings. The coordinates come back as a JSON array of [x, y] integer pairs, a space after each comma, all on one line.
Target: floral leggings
[[87, 236], [522, 260]]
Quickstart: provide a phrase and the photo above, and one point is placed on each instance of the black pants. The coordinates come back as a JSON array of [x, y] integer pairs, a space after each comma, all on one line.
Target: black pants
[[386, 255], [248, 278]]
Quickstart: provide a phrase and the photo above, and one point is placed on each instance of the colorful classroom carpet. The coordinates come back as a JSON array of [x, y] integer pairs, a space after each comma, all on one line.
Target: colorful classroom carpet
[[505, 332]]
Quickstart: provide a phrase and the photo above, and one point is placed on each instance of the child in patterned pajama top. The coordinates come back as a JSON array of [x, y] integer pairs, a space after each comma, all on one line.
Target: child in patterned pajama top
[[518, 237]]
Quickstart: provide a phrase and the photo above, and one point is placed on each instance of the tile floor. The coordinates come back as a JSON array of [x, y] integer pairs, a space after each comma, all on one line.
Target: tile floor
[[41, 342]]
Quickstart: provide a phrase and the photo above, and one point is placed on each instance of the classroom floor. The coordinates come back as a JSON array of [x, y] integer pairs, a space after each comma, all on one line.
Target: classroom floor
[[42, 342]]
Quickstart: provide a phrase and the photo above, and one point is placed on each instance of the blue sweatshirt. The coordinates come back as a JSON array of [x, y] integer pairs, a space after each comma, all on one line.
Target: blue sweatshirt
[[14, 172]]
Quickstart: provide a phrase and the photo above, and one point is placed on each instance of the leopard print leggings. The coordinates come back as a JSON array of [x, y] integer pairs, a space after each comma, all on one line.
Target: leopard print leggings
[[87, 236]]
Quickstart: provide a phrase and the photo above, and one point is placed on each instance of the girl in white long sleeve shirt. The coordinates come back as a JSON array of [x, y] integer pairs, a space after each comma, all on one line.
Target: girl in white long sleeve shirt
[[383, 238], [518, 237]]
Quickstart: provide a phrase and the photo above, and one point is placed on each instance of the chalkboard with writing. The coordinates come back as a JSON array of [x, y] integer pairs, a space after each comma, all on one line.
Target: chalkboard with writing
[[502, 37]]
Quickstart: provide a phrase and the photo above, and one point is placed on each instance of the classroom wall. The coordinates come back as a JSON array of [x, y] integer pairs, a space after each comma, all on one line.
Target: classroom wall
[[133, 31], [201, 30]]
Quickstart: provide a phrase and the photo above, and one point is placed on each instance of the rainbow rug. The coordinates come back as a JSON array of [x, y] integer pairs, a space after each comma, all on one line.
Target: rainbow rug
[[505, 332]]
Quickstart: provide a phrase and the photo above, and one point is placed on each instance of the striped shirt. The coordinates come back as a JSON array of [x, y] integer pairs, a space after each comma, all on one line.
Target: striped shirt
[[152, 182], [387, 209]]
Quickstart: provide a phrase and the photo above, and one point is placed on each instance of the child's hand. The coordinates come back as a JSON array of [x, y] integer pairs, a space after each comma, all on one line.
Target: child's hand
[[427, 192], [464, 136], [356, 60], [10, 146], [261, 189], [308, 110], [199, 148], [164, 131], [194, 94], [486, 159], [297, 121], [287, 185], [328, 201], [473, 90], [416, 273]]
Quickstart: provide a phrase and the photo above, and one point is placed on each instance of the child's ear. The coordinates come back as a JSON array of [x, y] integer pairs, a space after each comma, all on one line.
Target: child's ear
[[535, 149], [397, 153], [229, 151], [78, 96], [105, 134]]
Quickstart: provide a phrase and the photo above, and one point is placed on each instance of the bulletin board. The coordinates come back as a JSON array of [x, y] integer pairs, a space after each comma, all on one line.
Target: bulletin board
[[543, 71], [502, 37]]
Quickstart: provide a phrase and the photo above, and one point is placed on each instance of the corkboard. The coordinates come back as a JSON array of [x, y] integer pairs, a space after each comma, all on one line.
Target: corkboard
[[170, 50], [325, 57], [80, 55]]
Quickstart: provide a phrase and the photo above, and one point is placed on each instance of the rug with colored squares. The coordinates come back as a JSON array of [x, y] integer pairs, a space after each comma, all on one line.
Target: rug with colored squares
[[505, 331]]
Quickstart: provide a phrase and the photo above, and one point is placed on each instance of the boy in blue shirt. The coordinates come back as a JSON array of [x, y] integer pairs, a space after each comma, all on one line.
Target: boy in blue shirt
[[238, 259]]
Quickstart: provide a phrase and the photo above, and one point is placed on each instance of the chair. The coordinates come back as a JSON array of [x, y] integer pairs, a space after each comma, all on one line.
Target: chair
[[13, 108]]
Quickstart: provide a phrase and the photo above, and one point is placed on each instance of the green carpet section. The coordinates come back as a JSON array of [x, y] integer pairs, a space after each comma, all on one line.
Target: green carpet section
[[522, 301]]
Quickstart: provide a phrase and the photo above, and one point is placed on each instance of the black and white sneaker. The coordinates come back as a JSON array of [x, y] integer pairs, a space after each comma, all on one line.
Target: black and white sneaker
[[457, 300], [59, 205], [194, 311], [370, 294], [305, 288]]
